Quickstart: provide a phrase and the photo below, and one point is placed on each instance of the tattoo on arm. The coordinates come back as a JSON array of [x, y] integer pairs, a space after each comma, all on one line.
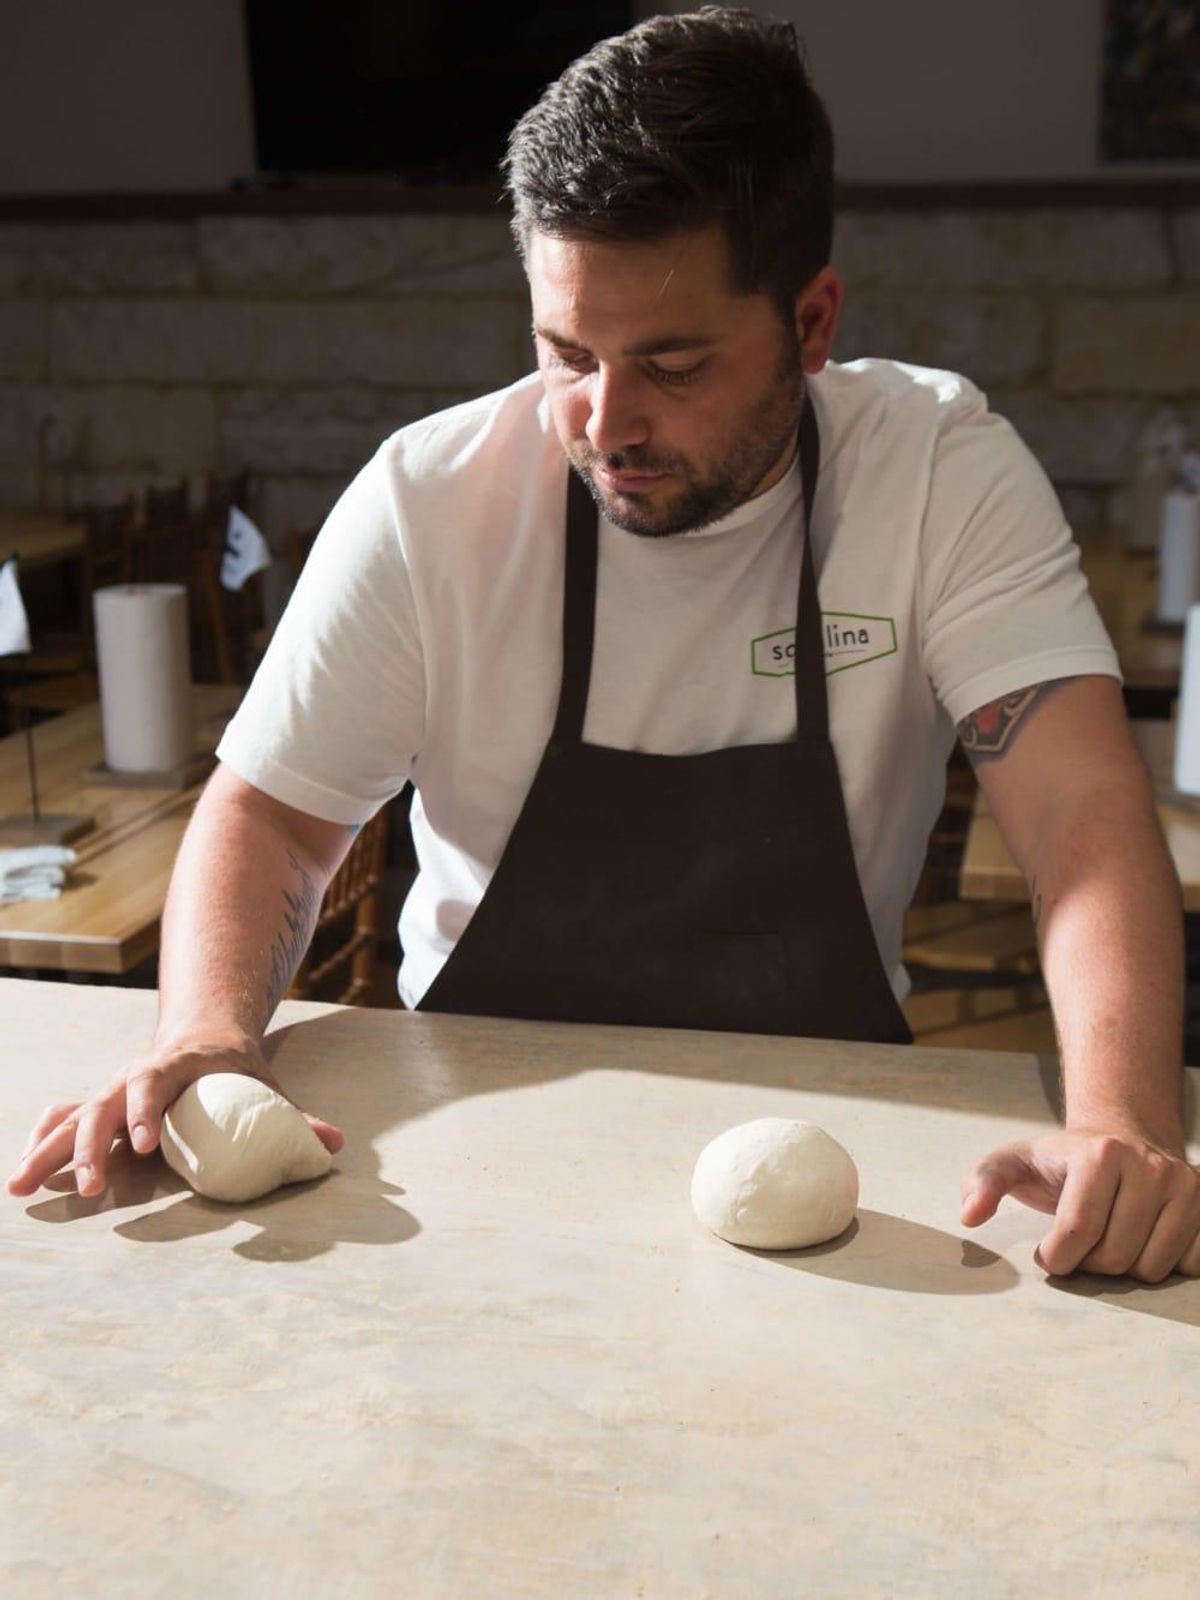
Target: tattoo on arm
[[992, 730], [300, 914]]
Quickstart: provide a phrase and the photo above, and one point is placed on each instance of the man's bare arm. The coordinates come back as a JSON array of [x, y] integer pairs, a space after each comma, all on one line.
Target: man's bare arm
[[1073, 801], [244, 896]]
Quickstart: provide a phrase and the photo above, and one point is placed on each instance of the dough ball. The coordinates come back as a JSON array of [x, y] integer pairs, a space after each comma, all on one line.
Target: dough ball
[[775, 1184], [233, 1138]]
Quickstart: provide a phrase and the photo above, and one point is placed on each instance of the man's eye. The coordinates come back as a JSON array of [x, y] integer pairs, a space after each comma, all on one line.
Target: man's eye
[[677, 374], [575, 362]]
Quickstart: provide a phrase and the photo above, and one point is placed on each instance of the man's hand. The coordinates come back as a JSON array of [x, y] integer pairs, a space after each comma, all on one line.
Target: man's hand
[[1122, 1205], [133, 1102]]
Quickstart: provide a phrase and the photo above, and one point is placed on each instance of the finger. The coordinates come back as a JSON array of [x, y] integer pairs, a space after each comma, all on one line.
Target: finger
[[147, 1096], [1173, 1241], [332, 1138], [53, 1152], [1135, 1211], [1189, 1261], [99, 1123], [988, 1182], [50, 1118], [1088, 1192]]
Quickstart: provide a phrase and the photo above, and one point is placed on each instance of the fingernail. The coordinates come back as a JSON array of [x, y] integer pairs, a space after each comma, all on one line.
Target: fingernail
[[83, 1176], [140, 1135]]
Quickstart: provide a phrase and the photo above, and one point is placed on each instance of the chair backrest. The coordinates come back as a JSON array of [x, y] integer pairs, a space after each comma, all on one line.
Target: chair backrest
[[340, 962], [108, 533], [223, 621], [221, 491], [162, 549], [165, 506], [299, 542]]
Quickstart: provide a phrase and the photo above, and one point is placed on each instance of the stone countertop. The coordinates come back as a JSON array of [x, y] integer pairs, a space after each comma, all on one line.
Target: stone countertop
[[493, 1353]]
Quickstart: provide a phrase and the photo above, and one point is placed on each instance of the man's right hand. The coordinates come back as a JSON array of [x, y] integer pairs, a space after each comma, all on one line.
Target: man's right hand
[[133, 1103]]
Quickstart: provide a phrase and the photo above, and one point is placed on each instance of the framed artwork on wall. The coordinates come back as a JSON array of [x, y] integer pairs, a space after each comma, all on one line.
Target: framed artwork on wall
[[1150, 94]]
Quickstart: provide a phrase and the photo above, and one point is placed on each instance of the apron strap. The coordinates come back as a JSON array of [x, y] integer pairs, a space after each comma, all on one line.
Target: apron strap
[[579, 611], [579, 607], [812, 708]]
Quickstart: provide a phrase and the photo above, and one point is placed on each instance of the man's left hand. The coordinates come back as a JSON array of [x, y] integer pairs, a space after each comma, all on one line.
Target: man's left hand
[[1122, 1205]]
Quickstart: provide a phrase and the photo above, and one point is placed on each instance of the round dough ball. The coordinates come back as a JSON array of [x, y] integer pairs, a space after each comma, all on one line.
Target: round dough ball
[[775, 1184], [233, 1138]]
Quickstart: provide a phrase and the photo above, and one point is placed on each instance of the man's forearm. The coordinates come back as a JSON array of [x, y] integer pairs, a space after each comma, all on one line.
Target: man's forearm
[[239, 915], [1107, 906]]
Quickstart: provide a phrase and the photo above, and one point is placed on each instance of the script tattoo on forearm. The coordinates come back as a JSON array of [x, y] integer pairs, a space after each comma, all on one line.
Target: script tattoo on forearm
[[992, 730], [301, 907]]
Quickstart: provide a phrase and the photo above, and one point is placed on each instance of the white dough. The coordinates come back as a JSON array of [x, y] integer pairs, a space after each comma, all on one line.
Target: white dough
[[775, 1184], [233, 1138]]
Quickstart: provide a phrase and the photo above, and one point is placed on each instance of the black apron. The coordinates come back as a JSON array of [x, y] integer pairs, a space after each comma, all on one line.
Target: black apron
[[700, 891]]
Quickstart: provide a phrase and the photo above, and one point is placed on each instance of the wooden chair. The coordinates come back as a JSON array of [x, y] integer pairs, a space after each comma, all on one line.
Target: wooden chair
[[60, 672], [960, 937], [1001, 1018], [224, 622], [975, 967], [163, 547], [299, 543], [340, 963], [108, 535]]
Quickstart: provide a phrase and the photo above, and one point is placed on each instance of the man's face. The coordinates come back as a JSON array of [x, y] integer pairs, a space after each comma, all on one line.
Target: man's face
[[675, 398]]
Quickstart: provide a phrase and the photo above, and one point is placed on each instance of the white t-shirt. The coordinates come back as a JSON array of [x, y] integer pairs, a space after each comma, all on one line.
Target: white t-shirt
[[424, 639]]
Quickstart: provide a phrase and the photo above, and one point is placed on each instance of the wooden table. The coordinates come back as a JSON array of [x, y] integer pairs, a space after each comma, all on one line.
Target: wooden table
[[493, 1354], [38, 538], [988, 871], [107, 918]]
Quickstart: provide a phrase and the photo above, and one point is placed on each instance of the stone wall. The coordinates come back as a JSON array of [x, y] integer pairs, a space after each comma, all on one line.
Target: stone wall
[[294, 345]]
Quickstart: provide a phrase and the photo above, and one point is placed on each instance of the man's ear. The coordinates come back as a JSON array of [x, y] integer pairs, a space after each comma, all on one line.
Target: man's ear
[[818, 309]]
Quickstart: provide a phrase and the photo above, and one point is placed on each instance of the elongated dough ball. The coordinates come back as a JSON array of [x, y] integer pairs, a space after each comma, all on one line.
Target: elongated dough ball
[[775, 1184], [233, 1138]]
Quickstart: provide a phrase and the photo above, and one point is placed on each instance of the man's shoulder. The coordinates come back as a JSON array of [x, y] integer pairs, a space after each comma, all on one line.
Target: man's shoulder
[[901, 388], [480, 433]]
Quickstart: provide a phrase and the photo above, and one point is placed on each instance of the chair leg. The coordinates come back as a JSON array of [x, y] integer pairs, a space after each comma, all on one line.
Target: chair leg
[[363, 963]]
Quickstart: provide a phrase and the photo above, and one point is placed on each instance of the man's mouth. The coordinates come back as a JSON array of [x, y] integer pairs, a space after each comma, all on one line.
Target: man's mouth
[[626, 482]]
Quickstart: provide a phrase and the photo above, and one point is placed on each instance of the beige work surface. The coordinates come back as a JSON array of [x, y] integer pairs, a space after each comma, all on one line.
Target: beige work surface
[[107, 918], [494, 1355]]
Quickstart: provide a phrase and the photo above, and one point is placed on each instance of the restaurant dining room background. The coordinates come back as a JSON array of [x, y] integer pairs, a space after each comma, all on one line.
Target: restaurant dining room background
[[183, 300]]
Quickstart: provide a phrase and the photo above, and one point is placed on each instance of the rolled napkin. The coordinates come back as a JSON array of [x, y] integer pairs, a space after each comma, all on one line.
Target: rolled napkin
[[37, 872], [145, 678]]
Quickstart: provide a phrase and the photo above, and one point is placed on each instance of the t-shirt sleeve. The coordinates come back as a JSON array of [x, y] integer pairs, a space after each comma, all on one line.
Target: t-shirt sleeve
[[333, 720], [1005, 604]]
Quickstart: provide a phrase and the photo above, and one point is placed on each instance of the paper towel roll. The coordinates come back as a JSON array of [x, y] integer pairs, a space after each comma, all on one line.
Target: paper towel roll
[[1178, 555], [1187, 728], [145, 679]]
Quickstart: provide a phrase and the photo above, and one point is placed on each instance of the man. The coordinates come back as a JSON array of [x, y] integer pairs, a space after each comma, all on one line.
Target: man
[[657, 779]]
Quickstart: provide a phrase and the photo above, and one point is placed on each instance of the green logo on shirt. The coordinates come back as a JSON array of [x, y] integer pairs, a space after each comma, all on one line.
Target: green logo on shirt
[[850, 638]]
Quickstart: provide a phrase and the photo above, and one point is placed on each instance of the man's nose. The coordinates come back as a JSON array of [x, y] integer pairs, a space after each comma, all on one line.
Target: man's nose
[[618, 417]]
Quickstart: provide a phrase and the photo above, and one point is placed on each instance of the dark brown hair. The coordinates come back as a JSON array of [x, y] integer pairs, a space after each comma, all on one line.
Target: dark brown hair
[[684, 121]]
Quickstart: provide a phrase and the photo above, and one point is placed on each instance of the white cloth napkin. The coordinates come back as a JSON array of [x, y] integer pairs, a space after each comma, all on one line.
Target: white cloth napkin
[[37, 872]]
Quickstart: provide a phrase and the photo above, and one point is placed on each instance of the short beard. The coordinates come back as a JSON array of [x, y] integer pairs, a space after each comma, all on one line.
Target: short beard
[[762, 438]]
